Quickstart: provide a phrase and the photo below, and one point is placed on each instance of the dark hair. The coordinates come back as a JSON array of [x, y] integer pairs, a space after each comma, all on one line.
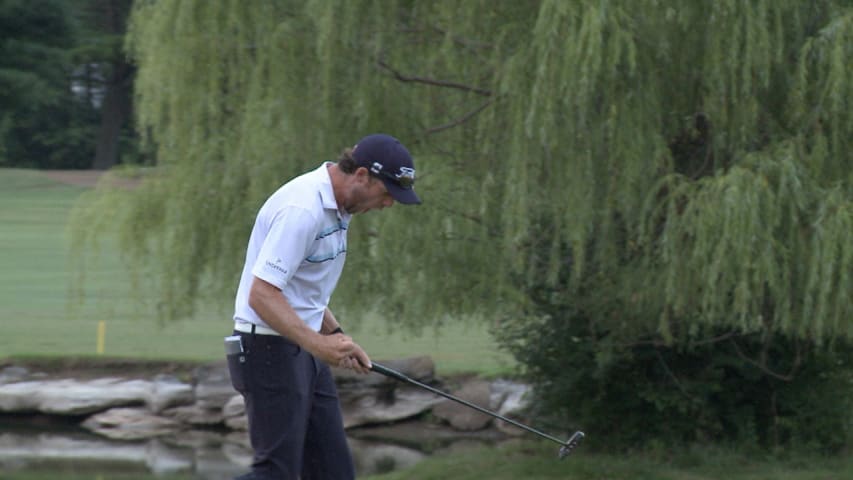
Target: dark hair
[[346, 163]]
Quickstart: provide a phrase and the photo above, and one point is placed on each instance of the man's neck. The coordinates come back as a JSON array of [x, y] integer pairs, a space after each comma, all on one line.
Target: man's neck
[[338, 179]]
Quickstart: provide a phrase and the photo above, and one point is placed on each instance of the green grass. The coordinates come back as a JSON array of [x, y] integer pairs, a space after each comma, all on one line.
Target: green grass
[[42, 319], [535, 461]]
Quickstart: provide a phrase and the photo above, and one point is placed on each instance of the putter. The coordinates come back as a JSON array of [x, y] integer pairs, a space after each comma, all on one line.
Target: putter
[[565, 447]]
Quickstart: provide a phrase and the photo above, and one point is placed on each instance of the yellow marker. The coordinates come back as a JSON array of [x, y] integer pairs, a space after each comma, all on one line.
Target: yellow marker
[[102, 333]]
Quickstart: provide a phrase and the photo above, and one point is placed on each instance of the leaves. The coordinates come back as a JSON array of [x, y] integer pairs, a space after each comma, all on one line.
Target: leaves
[[696, 156]]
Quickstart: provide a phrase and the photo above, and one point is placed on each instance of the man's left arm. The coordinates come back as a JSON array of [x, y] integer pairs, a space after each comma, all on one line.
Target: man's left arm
[[330, 323]]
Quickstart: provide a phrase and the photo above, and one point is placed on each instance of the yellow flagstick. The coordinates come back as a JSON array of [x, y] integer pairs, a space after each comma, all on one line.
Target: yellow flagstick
[[102, 333]]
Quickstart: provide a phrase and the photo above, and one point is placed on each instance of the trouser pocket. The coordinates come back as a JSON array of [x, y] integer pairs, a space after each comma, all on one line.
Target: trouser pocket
[[237, 359], [237, 370]]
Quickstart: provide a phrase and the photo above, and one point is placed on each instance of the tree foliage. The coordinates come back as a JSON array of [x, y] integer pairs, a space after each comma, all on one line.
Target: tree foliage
[[40, 121], [59, 65], [674, 171]]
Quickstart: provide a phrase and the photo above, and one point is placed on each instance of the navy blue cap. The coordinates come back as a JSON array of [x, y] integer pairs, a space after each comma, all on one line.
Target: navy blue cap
[[387, 159]]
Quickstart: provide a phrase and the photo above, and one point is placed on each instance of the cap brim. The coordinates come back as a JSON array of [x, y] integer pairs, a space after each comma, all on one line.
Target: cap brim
[[406, 196]]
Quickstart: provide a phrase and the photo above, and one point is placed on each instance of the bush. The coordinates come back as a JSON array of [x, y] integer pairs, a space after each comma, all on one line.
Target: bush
[[757, 389]]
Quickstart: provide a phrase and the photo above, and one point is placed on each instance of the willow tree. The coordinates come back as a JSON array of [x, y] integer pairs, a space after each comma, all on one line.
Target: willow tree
[[596, 175]]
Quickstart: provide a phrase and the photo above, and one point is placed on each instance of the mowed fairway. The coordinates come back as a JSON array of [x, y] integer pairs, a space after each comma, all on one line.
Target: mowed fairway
[[531, 461], [40, 316]]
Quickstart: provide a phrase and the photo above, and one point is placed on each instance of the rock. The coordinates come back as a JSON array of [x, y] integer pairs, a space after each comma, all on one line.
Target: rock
[[510, 399], [462, 417], [374, 407], [71, 397], [234, 413], [13, 374], [213, 386], [195, 414], [131, 424], [75, 397], [374, 398], [167, 391], [240, 423], [512, 395], [236, 406]]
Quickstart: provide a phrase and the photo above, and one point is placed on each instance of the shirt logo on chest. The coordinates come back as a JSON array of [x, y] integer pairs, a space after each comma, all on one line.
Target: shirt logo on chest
[[330, 242]]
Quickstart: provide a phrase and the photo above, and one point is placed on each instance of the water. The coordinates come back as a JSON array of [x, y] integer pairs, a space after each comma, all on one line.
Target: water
[[29, 451]]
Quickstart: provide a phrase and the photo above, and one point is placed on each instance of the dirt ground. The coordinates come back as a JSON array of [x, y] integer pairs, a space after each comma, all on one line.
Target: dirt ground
[[98, 367], [80, 178], [86, 178]]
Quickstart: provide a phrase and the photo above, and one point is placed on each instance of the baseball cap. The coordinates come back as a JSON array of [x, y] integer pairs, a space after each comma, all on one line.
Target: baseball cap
[[388, 160]]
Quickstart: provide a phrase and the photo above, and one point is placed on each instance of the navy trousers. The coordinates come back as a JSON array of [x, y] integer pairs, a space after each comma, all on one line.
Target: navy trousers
[[295, 422]]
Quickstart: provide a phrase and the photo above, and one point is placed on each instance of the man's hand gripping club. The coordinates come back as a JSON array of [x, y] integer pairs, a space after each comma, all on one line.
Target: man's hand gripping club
[[345, 353]]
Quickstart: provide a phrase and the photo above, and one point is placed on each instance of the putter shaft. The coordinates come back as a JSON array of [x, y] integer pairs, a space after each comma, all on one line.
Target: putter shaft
[[565, 446]]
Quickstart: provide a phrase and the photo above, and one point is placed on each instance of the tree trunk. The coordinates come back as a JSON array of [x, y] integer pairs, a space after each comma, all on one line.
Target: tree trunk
[[112, 18], [115, 111]]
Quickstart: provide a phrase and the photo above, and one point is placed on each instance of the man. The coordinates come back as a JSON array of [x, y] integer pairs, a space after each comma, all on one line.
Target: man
[[288, 335]]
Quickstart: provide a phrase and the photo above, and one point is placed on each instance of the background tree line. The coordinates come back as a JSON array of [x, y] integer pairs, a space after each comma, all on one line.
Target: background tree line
[[649, 200], [65, 84]]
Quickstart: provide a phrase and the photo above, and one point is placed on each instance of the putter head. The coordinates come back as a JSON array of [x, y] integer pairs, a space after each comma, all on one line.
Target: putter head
[[570, 444]]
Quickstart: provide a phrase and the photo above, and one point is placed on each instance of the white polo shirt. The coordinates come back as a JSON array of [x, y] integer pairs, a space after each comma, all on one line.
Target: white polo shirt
[[298, 244]]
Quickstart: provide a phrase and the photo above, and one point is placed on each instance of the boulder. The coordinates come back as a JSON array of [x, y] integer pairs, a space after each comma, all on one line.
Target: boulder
[[82, 397], [375, 407], [213, 386], [13, 374], [374, 398], [131, 424], [195, 414], [234, 413], [168, 391], [510, 399], [235, 407], [72, 397], [462, 417], [240, 423]]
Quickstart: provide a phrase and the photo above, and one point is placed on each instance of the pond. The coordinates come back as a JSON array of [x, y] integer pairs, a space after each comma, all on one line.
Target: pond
[[34, 448]]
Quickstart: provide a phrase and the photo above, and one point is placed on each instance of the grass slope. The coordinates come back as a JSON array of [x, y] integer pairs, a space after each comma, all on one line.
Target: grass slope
[[538, 461], [40, 318]]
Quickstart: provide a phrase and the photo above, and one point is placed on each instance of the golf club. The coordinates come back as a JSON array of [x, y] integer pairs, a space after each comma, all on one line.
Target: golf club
[[565, 447]]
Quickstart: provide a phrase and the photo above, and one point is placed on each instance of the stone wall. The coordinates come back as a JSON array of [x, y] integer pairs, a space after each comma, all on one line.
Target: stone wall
[[137, 407]]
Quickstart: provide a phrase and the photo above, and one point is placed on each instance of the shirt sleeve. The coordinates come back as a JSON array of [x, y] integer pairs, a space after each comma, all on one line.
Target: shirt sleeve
[[286, 245]]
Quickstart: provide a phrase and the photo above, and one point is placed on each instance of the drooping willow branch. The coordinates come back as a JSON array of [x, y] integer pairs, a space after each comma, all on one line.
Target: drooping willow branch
[[431, 81], [763, 365], [462, 119]]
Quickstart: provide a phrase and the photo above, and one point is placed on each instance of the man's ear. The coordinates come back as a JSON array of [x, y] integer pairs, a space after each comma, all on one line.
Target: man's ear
[[362, 174]]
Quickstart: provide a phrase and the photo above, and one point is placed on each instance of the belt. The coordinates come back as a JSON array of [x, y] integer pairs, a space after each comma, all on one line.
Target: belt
[[259, 329]]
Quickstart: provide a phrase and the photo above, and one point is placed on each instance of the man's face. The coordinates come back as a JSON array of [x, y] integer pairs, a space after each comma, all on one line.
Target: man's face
[[368, 193]]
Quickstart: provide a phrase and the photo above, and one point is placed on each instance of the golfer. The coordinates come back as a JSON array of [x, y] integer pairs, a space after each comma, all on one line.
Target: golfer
[[288, 334]]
